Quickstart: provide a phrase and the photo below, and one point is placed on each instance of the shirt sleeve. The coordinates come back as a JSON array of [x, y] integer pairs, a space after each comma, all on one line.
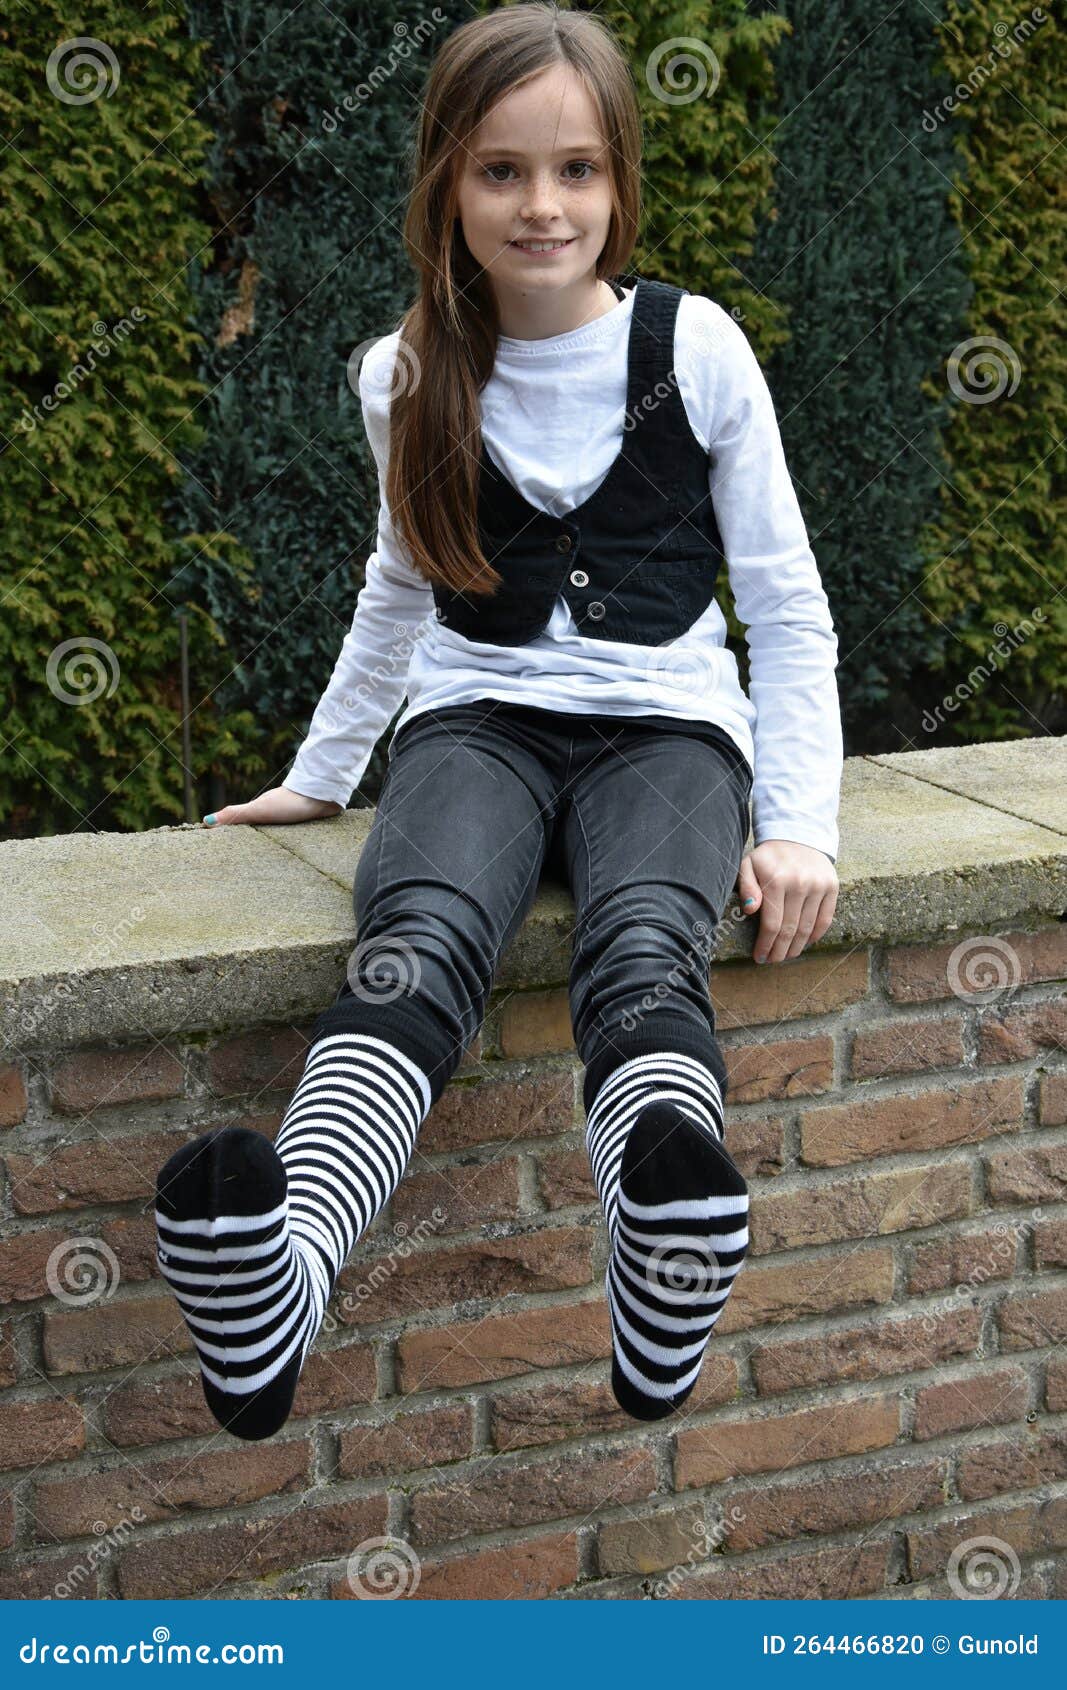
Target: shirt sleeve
[[369, 679], [779, 596]]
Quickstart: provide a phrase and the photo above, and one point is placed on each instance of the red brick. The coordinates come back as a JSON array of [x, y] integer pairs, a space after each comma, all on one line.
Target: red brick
[[962, 1259], [551, 1259], [756, 1143], [46, 1429], [547, 1414], [886, 1126], [566, 1179], [1036, 1322], [163, 1490], [113, 1169], [100, 1079], [859, 1206], [535, 1022], [13, 1099], [196, 1562], [7, 1521], [780, 1068], [983, 1399], [466, 1195], [763, 1293], [1050, 1243], [1052, 1100], [406, 1443], [652, 1543], [147, 1412], [744, 994], [835, 1502], [115, 1334], [1028, 1528], [1015, 1035], [1056, 1384], [49, 1580], [923, 973], [469, 1352], [1028, 1176], [825, 1574], [8, 1359], [268, 1059], [906, 1047], [488, 1111], [878, 1348], [1029, 1457], [767, 1443], [530, 1494], [521, 1572]]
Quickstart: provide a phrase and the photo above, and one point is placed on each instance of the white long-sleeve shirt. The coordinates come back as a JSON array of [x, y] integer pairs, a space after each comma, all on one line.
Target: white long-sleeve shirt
[[552, 420]]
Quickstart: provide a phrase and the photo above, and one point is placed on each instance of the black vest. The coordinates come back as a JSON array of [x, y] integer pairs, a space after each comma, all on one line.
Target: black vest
[[638, 560]]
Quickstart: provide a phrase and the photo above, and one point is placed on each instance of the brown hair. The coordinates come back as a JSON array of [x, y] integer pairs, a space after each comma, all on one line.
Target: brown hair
[[448, 337]]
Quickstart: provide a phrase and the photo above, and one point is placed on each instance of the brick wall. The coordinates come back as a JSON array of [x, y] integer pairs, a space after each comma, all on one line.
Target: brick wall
[[887, 1382]]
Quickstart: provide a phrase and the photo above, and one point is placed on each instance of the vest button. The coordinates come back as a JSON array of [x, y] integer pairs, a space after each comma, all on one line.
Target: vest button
[[564, 543], [578, 578], [596, 610]]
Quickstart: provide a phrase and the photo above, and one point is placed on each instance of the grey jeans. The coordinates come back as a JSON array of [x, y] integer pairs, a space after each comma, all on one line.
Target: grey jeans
[[644, 818]]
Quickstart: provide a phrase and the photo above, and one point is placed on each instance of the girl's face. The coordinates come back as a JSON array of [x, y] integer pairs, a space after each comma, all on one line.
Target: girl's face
[[537, 168]]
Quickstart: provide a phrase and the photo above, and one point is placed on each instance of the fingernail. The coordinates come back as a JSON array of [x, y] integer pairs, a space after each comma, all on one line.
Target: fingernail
[[762, 958], [209, 820], [750, 901]]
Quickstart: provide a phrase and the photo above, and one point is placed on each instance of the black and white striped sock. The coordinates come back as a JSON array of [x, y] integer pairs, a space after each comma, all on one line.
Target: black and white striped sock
[[252, 1235], [677, 1212]]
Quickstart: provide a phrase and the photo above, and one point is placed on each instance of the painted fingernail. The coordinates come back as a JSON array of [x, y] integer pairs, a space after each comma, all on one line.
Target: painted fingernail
[[209, 820], [762, 958], [749, 901]]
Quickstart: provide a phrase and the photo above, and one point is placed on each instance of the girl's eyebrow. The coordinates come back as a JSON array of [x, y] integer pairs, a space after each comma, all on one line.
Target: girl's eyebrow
[[511, 152]]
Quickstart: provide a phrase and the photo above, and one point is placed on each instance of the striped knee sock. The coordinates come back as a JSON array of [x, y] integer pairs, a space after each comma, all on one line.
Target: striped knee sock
[[677, 1212], [252, 1235]]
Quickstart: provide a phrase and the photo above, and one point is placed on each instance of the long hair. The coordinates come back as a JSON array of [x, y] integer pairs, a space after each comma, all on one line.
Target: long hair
[[448, 337]]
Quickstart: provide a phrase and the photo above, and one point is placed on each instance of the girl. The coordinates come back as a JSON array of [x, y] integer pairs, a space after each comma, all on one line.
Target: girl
[[564, 462]]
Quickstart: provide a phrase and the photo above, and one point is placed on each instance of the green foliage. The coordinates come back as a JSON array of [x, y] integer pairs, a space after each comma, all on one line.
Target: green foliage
[[859, 246], [307, 201], [96, 223], [997, 550]]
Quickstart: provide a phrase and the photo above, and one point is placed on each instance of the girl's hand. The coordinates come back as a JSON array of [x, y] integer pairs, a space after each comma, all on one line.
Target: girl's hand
[[277, 805], [795, 888]]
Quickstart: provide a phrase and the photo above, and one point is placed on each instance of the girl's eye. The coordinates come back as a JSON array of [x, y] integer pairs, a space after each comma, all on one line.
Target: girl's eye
[[583, 162]]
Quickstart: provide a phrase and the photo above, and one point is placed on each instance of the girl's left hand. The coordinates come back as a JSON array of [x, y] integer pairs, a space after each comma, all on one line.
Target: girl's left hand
[[794, 890]]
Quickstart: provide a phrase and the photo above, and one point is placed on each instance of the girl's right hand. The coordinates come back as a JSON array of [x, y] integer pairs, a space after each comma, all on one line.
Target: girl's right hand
[[279, 805]]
